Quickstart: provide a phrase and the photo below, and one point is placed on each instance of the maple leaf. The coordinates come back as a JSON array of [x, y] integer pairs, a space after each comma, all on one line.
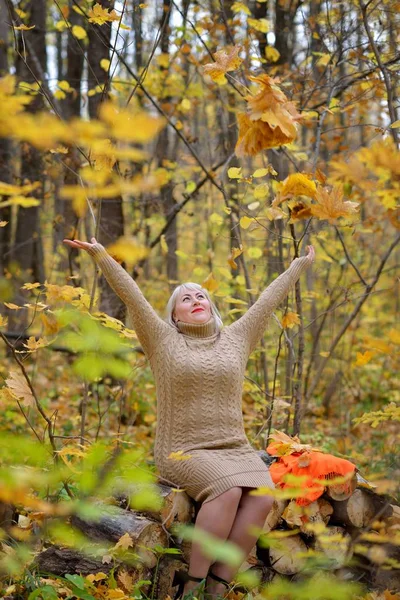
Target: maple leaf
[[299, 211], [272, 106], [210, 283], [17, 383], [363, 358], [225, 60], [125, 580], [296, 184], [124, 542], [290, 320], [100, 15], [126, 249], [34, 344], [331, 205], [255, 136]]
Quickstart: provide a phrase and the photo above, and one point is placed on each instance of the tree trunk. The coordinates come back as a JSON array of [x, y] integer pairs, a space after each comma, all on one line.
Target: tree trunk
[[112, 219], [5, 144], [288, 557]]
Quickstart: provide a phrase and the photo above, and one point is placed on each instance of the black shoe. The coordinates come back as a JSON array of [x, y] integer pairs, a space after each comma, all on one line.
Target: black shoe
[[219, 579], [180, 578]]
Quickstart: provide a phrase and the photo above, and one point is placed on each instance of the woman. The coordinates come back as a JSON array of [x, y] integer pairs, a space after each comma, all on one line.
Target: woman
[[199, 370]]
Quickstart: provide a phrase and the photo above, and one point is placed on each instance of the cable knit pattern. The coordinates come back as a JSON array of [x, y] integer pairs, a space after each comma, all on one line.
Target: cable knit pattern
[[199, 374]]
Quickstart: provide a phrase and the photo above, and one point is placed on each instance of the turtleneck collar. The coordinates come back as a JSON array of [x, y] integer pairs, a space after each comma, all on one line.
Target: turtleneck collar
[[198, 330]]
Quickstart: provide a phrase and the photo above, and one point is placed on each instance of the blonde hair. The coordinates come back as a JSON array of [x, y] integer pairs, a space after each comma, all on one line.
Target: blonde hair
[[190, 286]]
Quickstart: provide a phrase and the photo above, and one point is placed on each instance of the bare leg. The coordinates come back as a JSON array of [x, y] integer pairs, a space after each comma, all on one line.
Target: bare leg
[[252, 512], [215, 517]]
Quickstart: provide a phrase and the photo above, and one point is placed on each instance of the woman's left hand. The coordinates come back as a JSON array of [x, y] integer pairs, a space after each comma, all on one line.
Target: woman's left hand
[[310, 254]]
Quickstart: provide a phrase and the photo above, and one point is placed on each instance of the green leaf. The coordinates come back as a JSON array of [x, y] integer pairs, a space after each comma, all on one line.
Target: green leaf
[[77, 580]]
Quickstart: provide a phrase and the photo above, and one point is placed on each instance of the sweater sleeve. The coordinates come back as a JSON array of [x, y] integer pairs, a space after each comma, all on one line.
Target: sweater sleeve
[[149, 327], [252, 324]]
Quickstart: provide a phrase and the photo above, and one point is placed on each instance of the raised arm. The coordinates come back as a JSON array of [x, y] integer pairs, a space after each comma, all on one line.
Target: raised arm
[[252, 324], [149, 327]]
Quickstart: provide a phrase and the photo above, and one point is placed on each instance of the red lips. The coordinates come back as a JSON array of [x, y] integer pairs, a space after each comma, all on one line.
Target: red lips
[[197, 310]]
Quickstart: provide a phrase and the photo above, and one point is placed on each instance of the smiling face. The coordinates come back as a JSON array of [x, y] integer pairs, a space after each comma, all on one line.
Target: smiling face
[[192, 306]]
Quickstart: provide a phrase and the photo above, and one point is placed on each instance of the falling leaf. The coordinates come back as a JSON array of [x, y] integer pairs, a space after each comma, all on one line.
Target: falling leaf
[[225, 60], [296, 184], [3, 223], [163, 245], [254, 252], [210, 283], [240, 7], [235, 252], [290, 320], [395, 125], [245, 222], [179, 455], [50, 322], [31, 286], [99, 15], [3, 321], [260, 172], [331, 205], [261, 191], [125, 249], [17, 383]]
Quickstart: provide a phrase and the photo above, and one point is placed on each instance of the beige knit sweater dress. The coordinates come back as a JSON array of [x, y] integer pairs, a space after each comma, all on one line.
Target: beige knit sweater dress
[[199, 374]]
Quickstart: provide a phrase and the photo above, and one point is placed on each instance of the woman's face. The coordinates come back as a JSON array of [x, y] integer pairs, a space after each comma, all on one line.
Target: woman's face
[[192, 306]]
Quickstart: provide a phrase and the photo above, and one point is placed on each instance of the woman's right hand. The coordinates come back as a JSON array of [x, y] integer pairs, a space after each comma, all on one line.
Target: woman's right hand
[[88, 246]]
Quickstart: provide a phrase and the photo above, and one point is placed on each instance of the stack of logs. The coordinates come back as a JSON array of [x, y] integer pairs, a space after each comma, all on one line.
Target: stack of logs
[[347, 517]]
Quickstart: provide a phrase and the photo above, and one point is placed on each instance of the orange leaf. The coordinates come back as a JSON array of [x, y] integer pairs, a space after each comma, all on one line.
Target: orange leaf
[[331, 205], [290, 320]]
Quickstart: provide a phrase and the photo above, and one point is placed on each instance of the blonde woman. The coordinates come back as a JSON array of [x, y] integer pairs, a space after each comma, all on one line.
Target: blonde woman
[[199, 368]]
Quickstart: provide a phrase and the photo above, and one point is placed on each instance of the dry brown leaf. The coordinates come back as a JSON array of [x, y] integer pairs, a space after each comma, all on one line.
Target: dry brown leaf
[[17, 383], [331, 205], [124, 542], [125, 580], [225, 60]]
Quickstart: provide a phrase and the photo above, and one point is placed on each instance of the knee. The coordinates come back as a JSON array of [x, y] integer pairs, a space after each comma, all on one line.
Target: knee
[[263, 504], [233, 496]]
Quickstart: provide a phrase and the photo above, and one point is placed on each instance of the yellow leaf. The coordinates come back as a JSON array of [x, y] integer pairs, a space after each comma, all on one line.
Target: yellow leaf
[[62, 25], [272, 54], [59, 95], [324, 354], [59, 150], [225, 60], [3, 321], [126, 249], [261, 191], [323, 59], [100, 15], [124, 542], [331, 205], [216, 219], [290, 320], [260, 172], [297, 184], [34, 344], [78, 32], [23, 27], [235, 173], [262, 25], [164, 245], [17, 383], [179, 455], [240, 7], [210, 283], [394, 336], [130, 124], [115, 594], [3, 223], [96, 577], [12, 306], [254, 252], [395, 125], [64, 85], [363, 358], [245, 222], [50, 322], [105, 64], [31, 286]]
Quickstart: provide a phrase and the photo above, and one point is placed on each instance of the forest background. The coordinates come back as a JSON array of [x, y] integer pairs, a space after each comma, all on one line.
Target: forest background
[[119, 120]]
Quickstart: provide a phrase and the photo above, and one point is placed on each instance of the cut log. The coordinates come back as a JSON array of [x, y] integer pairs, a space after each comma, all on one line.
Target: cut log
[[335, 545], [304, 516], [60, 561], [342, 491], [166, 571], [177, 507], [360, 509], [7, 515], [115, 522], [288, 556]]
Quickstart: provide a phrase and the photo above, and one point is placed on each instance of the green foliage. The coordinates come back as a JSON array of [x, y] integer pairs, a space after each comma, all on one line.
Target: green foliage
[[320, 587]]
